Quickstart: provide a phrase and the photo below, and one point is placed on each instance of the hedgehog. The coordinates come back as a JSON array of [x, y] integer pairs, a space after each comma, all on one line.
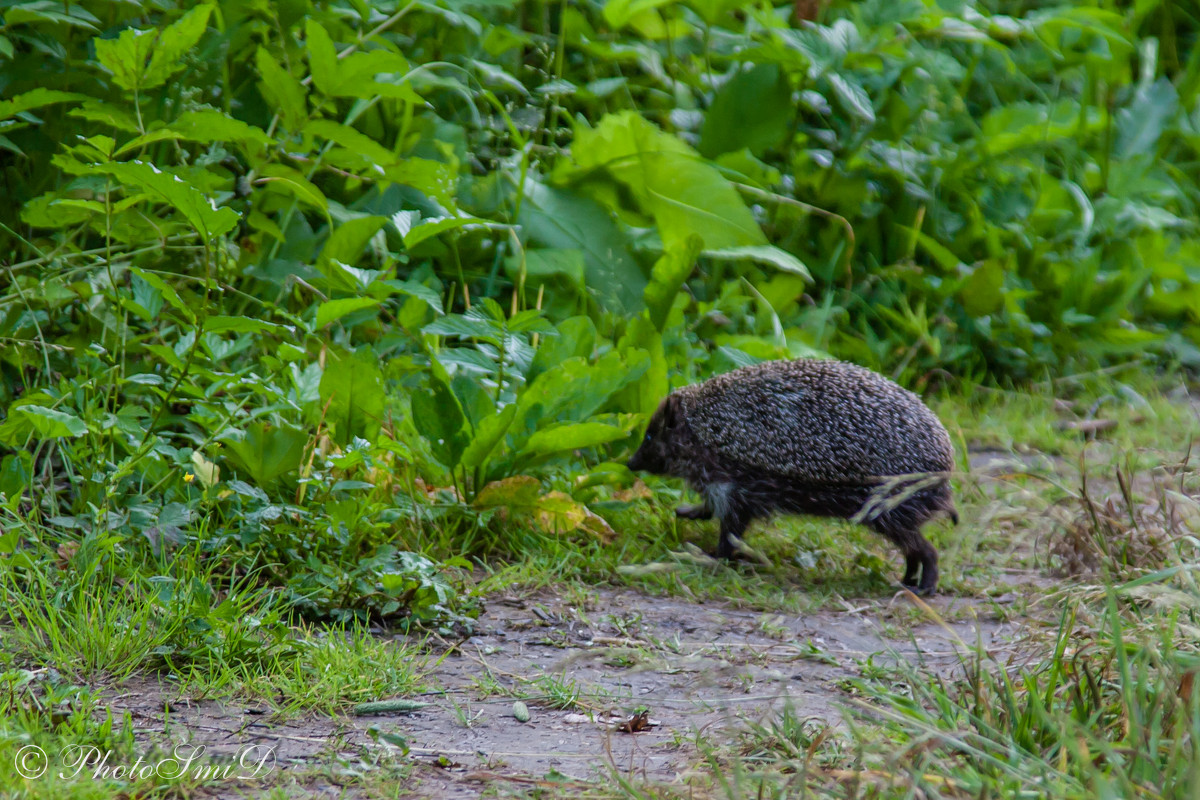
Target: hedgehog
[[807, 436]]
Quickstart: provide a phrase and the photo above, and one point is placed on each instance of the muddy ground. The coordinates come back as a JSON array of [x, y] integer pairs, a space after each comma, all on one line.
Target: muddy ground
[[700, 668]]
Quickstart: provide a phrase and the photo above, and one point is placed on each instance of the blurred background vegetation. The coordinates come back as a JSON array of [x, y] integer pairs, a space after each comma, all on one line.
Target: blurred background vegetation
[[319, 288]]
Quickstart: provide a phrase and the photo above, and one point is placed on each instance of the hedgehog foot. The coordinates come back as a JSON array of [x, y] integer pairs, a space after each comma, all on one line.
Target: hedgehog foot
[[694, 512]]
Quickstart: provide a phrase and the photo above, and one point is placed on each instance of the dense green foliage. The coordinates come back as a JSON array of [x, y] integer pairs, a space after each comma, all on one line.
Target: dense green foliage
[[319, 285]]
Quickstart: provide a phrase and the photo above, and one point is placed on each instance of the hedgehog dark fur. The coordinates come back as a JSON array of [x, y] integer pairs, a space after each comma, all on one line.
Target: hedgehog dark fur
[[807, 437]]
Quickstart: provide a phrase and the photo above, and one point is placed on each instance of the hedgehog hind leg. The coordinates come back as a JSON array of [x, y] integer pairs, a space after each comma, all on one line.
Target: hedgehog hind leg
[[919, 555]]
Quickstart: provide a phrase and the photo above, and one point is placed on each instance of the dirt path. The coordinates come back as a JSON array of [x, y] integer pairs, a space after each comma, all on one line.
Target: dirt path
[[697, 667]]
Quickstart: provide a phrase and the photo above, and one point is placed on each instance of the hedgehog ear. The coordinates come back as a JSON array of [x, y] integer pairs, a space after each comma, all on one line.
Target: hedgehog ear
[[671, 411]]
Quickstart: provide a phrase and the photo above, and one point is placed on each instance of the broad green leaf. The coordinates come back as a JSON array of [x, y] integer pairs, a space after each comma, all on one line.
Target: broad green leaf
[[37, 98], [981, 292], [438, 417], [282, 91], [619, 12], [266, 452], [173, 42], [352, 394], [560, 218], [332, 310], [488, 434], [347, 241], [572, 436], [576, 339], [669, 273], [52, 424], [764, 254], [752, 110], [200, 211], [713, 10], [669, 180]]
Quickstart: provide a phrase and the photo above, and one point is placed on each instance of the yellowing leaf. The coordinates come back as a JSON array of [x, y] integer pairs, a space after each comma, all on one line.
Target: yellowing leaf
[[208, 472]]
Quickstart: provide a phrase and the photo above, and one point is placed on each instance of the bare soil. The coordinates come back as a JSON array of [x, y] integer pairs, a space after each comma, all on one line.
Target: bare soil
[[701, 668]]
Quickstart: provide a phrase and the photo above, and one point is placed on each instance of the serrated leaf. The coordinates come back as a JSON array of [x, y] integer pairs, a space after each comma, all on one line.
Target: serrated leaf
[[226, 324], [417, 290], [353, 140], [282, 90], [322, 57], [173, 42], [200, 211], [852, 97], [50, 423], [126, 56]]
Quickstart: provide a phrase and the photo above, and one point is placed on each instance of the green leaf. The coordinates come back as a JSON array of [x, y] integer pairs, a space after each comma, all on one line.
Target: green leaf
[[752, 110], [52, 424], [981, 292], [281, 90], [200, 211], [438, 417], [37, 98], [126, 56], [352, 392], [359, 143], [333, 310], [348, 240], [417, 290], [572, 436], [173, 42], [669, 181], [669, 273], [617, 13], [210, 125], [488, 434], [852, 97], [225, 324], [292, 182], [266, 452], [562, 219], [764, 254], [322, 57]]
